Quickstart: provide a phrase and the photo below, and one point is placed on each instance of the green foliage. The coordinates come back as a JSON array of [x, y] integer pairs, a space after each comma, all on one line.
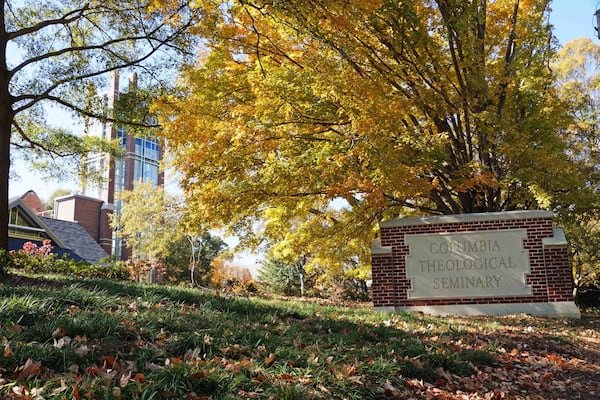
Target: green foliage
[[282, 277], [115, 271], [190, 254], [577, 70], [584, 241], [40, 259], [49, 202]]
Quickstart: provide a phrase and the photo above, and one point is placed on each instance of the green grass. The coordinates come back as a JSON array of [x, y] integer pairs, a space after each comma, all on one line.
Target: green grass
[[131, 341]]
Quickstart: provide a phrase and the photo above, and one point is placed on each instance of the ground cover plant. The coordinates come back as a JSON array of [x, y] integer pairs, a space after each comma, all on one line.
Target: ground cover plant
[[75, 338]]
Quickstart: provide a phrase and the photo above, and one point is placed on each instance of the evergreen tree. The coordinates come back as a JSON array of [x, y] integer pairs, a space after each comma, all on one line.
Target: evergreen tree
[[282, 277]]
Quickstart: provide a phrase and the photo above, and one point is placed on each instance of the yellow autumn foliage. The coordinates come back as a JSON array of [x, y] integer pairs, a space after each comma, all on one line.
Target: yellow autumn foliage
[[307, 122]]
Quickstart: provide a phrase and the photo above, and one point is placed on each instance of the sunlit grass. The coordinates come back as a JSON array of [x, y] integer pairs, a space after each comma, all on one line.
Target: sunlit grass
[[121, 340]]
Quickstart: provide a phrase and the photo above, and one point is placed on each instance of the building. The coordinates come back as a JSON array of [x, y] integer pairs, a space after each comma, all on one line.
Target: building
[[140, 162], [91, 213], [27, 224]]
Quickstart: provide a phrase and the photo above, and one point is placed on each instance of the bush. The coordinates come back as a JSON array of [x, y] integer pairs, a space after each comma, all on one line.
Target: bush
[[33, 257], [232, 279], [40, 259], [144, 270]]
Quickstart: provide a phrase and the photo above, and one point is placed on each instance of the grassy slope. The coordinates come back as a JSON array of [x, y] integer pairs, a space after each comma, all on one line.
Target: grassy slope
[[73, 338]]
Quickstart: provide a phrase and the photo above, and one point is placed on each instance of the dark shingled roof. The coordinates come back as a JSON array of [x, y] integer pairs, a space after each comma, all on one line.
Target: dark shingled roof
[[77, 239]]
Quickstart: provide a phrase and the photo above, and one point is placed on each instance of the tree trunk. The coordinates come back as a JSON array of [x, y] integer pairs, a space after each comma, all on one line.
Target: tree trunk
[[192, 261], [301, 272], [6, 119], [5, 124]]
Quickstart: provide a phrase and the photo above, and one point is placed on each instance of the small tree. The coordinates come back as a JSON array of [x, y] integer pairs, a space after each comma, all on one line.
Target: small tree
[[190, 257], [283, 277], [49, 202], [147, 220], [577, 69]]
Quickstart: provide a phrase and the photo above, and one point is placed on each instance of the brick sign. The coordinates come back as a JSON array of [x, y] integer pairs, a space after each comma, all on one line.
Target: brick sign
[[488, 263]]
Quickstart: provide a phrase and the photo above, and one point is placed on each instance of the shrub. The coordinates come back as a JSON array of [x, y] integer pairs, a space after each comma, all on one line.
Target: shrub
[[33, 257], [145, 270], [40, 259], [5, 259]]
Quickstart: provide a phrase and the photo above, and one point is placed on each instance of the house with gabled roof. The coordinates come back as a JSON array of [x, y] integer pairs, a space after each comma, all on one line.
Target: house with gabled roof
[[70, 238]]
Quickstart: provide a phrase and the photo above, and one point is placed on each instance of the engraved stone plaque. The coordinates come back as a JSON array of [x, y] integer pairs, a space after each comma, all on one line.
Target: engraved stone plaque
[[467, 264]]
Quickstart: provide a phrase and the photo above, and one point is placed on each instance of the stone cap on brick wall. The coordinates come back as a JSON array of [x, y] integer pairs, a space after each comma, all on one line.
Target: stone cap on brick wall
[[557, 240], [377, 249], [475, 217]]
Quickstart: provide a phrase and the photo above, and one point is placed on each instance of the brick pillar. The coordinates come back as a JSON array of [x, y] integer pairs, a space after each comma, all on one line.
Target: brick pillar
[[105, 240]]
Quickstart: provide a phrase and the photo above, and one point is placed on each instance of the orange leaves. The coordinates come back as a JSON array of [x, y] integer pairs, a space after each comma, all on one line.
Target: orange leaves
[[483, 180], [269, 360], [58, 333], [7, 351], [339, 107]]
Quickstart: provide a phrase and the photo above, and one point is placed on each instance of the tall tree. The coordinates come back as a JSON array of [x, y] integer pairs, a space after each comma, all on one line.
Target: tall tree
[[322, 117], [52, 52], [577, 68]]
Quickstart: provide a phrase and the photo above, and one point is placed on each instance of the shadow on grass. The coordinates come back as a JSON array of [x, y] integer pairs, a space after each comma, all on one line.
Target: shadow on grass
[[249, 344]]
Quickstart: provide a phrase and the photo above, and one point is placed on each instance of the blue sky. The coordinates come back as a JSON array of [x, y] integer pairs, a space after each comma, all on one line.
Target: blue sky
[[572, 19]]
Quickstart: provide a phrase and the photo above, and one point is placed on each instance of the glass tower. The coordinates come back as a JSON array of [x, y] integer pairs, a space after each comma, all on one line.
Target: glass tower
[[106, 175]]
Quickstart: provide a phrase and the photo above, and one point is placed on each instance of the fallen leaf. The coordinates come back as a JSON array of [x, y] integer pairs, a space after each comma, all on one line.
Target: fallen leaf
[[63, 386], [62, 342], [82, 350], [108, 361], [29, 369], [139, 378], [75, 394], [16, 328], [7, 351], [286, 377], [269, 360], [124, 379], [58, 333], [391, 391], [93, 370]]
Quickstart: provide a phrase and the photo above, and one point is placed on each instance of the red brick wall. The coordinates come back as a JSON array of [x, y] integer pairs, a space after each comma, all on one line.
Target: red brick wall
[[34, 203], [82, 209], [550, 274]]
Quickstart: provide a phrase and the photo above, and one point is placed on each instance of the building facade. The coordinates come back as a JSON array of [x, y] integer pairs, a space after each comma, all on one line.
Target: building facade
[[140, 162]]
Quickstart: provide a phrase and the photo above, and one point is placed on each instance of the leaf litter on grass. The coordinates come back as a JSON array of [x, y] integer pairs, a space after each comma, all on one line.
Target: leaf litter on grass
[[164, 343]]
